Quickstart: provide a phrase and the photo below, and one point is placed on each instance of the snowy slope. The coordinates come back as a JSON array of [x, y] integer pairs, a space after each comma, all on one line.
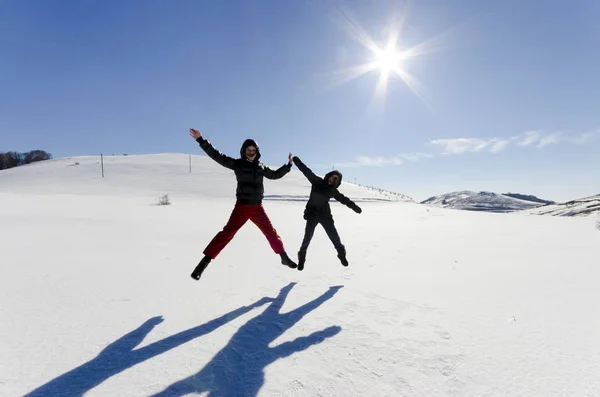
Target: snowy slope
[[158, 174], [480, 201], [580, 207], [97, 299]]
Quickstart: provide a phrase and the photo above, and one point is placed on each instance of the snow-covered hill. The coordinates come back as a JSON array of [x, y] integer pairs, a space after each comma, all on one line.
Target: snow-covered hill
[[580, 207], [480, 201], [153, 175]]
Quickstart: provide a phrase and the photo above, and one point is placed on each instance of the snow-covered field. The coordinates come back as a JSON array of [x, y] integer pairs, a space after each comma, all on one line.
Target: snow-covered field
[[97, 298]]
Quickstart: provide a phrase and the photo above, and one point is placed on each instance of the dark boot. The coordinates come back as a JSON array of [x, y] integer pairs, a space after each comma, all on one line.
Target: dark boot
[[342, 257], [286, 261], [200, 268], [301, 259]]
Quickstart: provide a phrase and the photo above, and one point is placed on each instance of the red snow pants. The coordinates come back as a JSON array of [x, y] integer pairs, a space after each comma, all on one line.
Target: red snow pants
[[239, 216]]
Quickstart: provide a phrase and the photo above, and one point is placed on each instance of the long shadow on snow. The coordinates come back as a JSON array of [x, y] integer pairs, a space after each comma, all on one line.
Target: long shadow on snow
[[238, 369], [119, 355]]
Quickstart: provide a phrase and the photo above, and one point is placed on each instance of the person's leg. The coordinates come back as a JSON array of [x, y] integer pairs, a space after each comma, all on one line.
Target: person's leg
[[329, 226], [309, 231], [260, 218], [239, 216]]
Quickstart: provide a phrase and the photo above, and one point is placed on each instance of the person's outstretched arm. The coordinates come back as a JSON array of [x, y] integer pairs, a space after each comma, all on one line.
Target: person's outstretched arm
[[347, 202], [213, 153], [279, 172], [306, 171]]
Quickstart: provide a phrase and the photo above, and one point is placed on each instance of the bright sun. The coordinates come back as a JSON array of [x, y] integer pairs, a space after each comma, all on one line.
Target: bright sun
[[388, 59]]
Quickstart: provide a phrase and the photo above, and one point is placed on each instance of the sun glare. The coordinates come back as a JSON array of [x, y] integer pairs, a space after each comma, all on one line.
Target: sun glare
[[388, 60]]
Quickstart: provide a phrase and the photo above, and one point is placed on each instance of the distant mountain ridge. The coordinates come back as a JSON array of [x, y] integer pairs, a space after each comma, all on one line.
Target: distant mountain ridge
[[579, 207], [485, 201], [513, 202], [529, 197]]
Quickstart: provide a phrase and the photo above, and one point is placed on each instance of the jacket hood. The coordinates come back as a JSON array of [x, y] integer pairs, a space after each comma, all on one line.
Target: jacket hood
[[249, 142], [334, 172]]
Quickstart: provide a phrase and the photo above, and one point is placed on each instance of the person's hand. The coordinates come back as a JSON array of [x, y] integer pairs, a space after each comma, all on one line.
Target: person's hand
[[195, 133], [357, 209], [290, 158]]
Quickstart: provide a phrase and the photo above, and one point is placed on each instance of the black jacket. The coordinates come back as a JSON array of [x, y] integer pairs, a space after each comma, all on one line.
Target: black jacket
[[321, 191], [249, 174]]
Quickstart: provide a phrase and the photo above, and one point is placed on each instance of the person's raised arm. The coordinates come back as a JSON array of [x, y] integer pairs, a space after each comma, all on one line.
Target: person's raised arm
[[279, 172], [213, 153], [306, 171]]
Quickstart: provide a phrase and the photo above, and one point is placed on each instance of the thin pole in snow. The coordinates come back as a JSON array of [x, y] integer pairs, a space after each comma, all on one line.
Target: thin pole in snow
[[102, 164], [190, 163]]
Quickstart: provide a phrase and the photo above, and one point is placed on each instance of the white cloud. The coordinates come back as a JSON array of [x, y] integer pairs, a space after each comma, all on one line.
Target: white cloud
[[416, 156], [455, 146], [380, 161], [465, 145], [584, 138], [537, 138], [499, 145], [552, 139], [529, 137]]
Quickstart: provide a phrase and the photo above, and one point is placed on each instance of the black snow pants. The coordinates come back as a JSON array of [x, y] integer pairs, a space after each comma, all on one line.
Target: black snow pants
[[328, 225]]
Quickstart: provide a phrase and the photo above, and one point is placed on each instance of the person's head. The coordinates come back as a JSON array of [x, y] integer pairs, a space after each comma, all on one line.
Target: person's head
[[333, 178], [250, 150]]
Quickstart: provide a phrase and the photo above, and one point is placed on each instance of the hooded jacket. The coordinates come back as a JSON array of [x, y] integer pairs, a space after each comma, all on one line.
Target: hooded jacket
[[249, 174], [321, 192]]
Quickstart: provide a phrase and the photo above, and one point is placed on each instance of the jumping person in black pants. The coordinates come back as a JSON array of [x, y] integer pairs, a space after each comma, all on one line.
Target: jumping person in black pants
[[318, 211]]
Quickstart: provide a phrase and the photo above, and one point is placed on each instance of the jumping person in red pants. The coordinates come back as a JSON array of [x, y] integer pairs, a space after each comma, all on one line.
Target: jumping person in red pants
[[249, 173]]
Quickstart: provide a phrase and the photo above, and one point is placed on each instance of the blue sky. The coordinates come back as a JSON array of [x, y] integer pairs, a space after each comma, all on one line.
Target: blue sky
[[508, 91]]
